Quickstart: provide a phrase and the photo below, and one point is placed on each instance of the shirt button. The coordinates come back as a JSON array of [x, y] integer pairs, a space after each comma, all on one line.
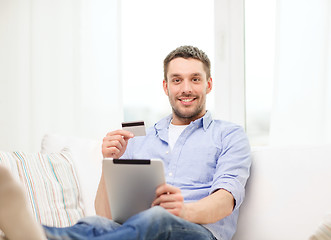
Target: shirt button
[[170, 174], [167, 152]]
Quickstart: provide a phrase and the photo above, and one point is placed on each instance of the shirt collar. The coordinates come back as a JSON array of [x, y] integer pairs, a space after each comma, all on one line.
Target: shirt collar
[[204, 121]]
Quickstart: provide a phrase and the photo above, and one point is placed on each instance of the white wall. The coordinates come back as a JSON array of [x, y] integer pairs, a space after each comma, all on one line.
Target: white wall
[[58, 70], [15, 74]]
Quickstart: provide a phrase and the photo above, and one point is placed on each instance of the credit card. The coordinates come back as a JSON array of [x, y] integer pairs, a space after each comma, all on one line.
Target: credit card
[[137, 128]]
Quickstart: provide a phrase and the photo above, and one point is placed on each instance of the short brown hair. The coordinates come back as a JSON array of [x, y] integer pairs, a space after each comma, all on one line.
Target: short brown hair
[[187, 52]]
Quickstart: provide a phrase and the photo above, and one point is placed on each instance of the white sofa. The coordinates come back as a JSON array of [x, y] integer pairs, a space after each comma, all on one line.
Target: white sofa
[[287, 194]]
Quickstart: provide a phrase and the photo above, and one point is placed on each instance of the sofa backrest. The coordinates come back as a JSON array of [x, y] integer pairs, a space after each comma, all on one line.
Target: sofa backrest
[[288, 193]]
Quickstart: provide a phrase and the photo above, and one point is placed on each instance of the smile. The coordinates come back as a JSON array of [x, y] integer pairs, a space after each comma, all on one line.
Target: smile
[[187, 100]]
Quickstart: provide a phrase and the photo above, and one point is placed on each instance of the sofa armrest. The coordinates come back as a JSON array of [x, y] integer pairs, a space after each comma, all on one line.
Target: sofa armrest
[[287, 195]]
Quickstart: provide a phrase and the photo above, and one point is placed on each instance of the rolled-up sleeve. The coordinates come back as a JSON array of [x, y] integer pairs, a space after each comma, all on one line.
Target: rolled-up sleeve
[[233, 164]]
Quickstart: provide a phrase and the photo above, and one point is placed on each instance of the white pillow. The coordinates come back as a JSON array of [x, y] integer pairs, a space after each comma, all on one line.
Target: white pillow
[[87, 158], [323, 231], [51, 185]]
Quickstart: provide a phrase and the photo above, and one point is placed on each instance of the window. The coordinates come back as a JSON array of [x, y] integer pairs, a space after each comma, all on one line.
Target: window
[[149, 31], [259, 64]]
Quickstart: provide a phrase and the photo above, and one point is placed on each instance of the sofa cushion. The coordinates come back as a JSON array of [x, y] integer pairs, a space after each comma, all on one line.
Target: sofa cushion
[[87, 158], [51, 185]]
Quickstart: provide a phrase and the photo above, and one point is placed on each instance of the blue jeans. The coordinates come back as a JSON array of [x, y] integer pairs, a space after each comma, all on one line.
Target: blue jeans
[[154, 223]]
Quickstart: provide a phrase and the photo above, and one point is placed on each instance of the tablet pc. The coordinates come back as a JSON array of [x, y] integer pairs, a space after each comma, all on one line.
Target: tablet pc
[[131, 185]]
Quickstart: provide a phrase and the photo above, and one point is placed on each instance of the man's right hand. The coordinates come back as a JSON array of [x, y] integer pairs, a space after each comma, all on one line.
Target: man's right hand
[[114, 144]]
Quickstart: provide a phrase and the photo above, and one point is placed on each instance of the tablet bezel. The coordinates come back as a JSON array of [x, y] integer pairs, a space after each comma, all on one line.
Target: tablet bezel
[[131, 185]]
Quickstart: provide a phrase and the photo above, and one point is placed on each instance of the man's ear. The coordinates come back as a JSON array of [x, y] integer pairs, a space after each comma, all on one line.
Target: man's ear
[[165, 87], [209, 85]]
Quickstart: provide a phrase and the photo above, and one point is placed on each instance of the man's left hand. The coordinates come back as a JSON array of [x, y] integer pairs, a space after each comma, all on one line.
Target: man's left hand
[[171, 199]]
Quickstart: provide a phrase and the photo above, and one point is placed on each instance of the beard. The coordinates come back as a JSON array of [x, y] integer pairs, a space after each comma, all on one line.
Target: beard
[[188, 114]]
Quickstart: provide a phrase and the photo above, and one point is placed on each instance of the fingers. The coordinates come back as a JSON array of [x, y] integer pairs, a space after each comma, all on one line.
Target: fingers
[[168, 196], [123, 133], [171, 199], [114, 144], [166, 189]]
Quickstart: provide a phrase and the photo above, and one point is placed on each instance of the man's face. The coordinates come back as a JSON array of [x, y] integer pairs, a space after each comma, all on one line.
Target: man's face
[[187, 87]]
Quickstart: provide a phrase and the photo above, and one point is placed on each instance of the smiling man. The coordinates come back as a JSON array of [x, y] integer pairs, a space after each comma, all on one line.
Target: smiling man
[[206, 161], [206, 164]]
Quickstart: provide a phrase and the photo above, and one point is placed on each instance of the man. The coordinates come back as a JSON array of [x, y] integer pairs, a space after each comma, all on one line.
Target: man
[[206, 165], [206, 161]]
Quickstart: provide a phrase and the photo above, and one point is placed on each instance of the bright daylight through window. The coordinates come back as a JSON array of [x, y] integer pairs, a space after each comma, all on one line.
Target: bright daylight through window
[[147, 36], [259, 65]]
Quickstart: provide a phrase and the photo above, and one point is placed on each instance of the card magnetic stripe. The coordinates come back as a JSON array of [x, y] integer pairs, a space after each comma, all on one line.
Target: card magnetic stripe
[[133, 124]]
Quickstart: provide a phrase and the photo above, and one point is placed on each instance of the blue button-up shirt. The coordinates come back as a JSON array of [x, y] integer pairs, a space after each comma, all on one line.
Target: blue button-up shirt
[[208, 155]]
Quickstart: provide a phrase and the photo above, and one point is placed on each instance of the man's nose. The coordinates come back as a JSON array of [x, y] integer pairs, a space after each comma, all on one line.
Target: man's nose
[[187, 86]]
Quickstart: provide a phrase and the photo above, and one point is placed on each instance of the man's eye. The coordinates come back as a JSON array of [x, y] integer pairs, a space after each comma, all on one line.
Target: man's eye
[[195, 79], [176, 80]]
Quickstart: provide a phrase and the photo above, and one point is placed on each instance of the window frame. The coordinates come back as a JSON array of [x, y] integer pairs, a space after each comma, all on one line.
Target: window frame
[[230, 96]]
